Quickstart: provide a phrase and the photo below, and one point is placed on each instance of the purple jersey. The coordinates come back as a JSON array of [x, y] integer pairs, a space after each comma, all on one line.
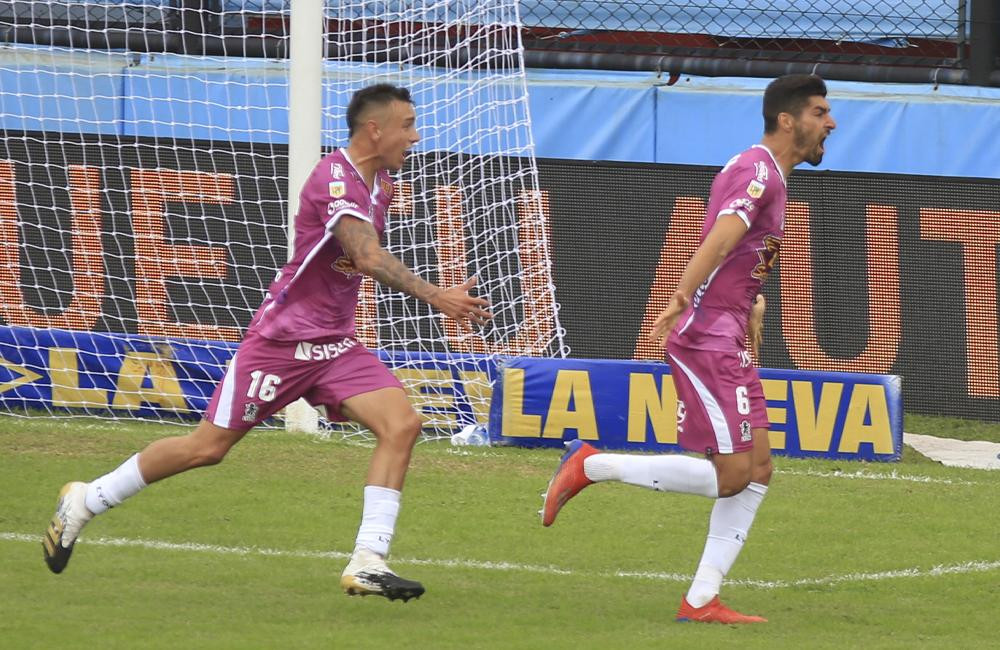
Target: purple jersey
[[752, 187], [315, 294]]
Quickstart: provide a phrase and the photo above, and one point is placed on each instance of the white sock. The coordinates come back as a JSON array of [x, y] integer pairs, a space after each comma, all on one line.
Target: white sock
[[665, 473], [378, 520], [114, 487], [727, 532]]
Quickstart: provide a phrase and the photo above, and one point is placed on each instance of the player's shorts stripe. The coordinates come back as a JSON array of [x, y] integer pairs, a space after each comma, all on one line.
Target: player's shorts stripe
[[224, 409], [719, 425]]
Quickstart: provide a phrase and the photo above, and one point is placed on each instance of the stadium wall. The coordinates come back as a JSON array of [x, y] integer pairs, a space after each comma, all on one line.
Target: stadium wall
[[580, 115]]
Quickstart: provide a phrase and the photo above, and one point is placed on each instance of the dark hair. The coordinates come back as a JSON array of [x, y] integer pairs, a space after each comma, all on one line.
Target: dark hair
[[371, 95], [789, 94]]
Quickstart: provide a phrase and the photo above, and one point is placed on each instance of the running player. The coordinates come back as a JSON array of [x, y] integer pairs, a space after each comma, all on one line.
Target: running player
[[301, 343], [721, 412]]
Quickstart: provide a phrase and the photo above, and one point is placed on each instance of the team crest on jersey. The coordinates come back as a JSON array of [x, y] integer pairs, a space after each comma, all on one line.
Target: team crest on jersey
[[250, 412], [336, 170], [337, 189], [755, 189], [386, 186], [761, 170], [345, 265], [768, 256]]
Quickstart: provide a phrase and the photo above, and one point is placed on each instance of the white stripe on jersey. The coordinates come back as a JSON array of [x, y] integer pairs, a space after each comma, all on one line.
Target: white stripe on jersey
[[697, 297], [224, 409], [719, 425], [739, 213], [337, 215]]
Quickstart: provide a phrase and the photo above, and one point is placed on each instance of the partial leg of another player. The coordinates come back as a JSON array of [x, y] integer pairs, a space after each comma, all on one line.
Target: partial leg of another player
[[728, 527], [388, 414], [583, 465], [79, 502]]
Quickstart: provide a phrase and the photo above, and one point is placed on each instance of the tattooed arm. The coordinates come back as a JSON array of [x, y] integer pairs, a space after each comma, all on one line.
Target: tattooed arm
[[362, 245]]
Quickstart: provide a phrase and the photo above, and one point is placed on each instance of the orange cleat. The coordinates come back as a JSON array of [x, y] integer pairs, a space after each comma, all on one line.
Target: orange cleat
[[713, 612], [568, 480]]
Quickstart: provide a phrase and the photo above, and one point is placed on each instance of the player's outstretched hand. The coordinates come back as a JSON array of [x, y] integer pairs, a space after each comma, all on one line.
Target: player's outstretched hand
[[455, 302], [665, 322]]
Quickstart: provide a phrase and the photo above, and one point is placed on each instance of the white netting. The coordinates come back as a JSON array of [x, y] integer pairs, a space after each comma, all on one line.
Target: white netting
[[143, 203]]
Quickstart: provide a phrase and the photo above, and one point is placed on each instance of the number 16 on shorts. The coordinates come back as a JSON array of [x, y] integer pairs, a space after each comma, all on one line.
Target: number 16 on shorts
[[263, 387]]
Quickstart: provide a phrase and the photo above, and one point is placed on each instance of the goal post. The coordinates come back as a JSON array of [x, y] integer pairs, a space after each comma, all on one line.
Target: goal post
[[305, 98]]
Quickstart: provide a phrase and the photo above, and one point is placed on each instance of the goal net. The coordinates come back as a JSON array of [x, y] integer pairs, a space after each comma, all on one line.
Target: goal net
[[144, 200]]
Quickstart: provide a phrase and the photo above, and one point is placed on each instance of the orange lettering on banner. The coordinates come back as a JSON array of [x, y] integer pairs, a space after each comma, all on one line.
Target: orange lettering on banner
[[538, 293], [402, 200], [88, 261], [156, 260], [366, 312], [537, 288], [979, 234], [798, 319], [451, 261], [679, 244]]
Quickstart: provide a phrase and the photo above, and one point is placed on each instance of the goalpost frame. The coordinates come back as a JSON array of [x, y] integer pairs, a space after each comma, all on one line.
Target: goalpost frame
[[305, 115]]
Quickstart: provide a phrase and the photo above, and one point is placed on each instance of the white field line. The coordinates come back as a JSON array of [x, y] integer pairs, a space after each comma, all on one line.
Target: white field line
[[976, 566], [891, 475]]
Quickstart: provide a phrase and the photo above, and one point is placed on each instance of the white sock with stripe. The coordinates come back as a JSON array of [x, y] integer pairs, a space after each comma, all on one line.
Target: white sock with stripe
[[665, 473], [727, 532], [114, 487]]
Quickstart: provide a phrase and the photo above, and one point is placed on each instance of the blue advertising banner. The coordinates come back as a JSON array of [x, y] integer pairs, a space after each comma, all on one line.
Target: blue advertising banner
[[535, 402], [631, 405], [50, 370]]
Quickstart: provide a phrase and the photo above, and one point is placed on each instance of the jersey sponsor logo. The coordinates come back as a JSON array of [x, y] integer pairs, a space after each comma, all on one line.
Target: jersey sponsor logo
[[305, 351], [345, 265], [681, 415], [744, 359], [745, 435], [699, 293], [742, 204], [761, 168], [333, 207], [336, 170], [768, 257], [337, 189], [755, 189]]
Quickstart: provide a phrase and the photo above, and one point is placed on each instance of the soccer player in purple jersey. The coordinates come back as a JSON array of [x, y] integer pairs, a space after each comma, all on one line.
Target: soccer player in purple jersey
[[721, 411], [301, 343]]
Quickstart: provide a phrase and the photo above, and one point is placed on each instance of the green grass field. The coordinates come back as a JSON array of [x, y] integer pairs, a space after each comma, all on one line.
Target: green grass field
[[248, 554]]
